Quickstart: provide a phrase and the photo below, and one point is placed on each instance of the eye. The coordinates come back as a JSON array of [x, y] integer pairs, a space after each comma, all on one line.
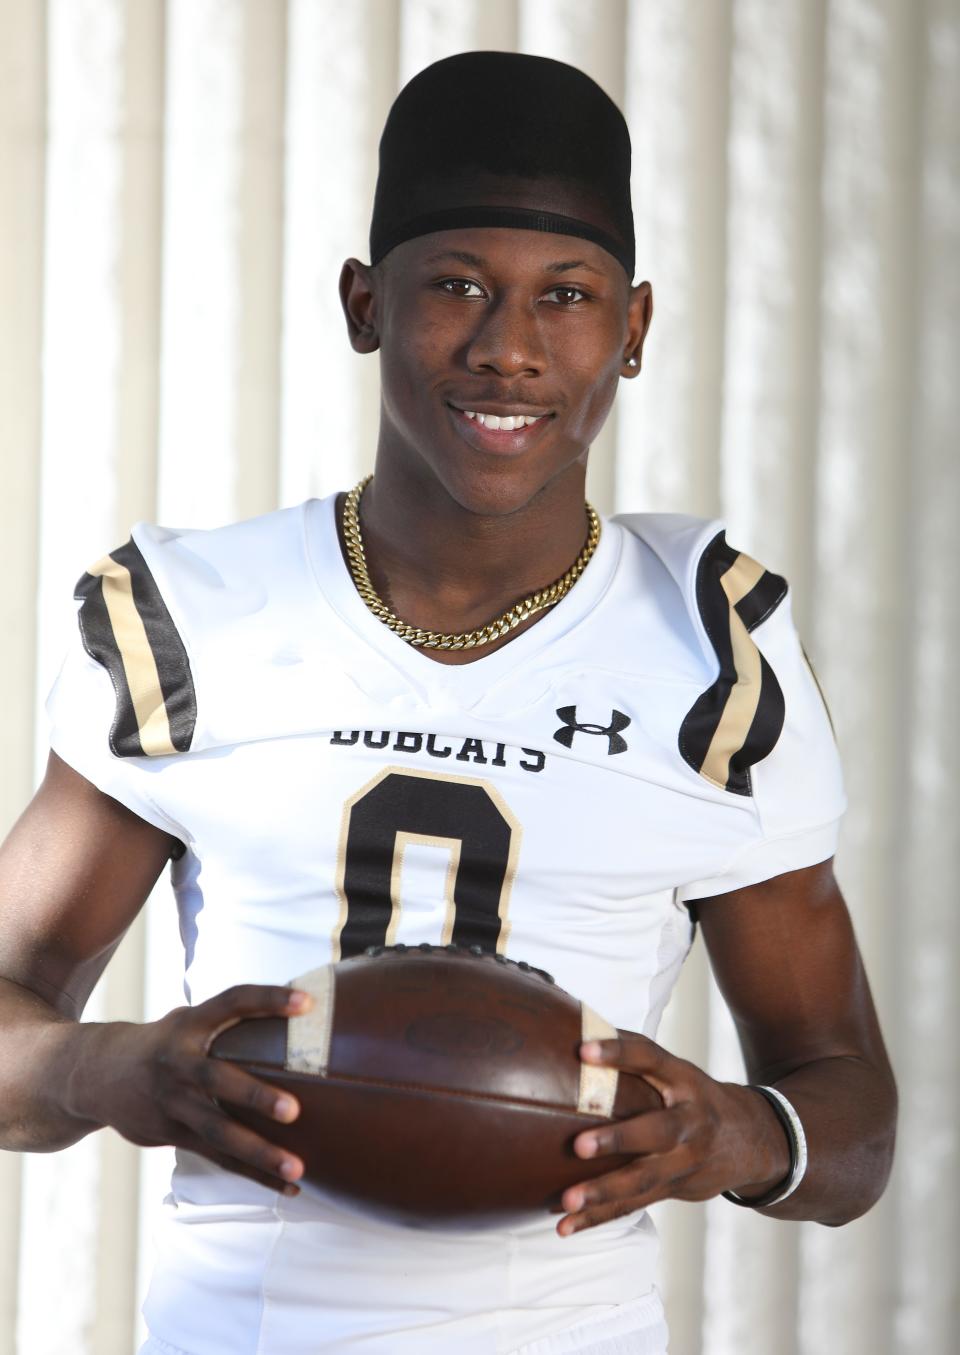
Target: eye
[[462, 287], [567, 296]]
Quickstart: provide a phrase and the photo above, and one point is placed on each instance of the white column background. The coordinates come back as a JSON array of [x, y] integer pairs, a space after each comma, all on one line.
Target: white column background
[[180, 181]]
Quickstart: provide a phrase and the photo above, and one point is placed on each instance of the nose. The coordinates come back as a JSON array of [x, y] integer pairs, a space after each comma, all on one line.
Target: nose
[[507, 340]]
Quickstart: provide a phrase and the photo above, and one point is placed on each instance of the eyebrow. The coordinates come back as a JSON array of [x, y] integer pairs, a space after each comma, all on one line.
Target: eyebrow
[[475, 261]]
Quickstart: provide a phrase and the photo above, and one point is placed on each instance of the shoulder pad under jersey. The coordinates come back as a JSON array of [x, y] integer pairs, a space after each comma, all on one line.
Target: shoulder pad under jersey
[[737, 719], [169, 603]]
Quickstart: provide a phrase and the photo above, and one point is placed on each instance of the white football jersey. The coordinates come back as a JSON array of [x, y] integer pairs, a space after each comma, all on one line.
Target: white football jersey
[[655, 738]]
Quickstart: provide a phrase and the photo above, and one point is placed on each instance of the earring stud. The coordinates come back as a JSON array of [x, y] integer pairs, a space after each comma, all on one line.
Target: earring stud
[[631, 362]]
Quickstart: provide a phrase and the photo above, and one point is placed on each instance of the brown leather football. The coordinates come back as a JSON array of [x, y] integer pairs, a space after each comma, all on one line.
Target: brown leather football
[[437, 1085]]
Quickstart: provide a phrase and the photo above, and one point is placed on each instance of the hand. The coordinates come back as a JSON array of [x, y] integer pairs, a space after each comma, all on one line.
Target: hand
[[154, 1084], [710, 1136]]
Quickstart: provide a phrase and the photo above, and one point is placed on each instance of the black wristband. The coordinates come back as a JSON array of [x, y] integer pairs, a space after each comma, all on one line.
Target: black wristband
[[775, 1194]]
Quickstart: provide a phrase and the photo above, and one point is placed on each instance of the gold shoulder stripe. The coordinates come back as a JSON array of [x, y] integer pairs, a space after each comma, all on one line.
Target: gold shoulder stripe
[[126, 626], [744, 696], [139, 665]]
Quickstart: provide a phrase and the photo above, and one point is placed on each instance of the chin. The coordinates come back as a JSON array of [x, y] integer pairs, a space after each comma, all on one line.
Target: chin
[[496, 493]]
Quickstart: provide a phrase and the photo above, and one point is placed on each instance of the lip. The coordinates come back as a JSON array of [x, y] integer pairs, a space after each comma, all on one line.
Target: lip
[[502, 441]]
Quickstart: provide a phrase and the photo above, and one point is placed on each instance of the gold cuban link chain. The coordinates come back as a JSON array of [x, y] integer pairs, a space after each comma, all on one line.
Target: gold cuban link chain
[[471, 639]]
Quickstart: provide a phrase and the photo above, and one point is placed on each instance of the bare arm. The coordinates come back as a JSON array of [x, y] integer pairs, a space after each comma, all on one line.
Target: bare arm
[[787, 963], [74, 873]]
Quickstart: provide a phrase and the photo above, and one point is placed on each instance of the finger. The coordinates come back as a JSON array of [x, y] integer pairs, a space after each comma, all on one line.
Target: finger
[[631, 1053], [657, 1131], [241, 1145], [624, 1183], [226, 1082], [590, 1217], [636, 1054], [197, 1145], [247, 1000], [615, 1194]]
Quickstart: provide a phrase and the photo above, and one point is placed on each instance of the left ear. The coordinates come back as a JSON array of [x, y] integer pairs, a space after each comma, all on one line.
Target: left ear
[[639, 315], [358, 297]]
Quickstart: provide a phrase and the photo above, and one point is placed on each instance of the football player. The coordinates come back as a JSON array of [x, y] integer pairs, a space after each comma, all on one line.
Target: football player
[[451, 704]]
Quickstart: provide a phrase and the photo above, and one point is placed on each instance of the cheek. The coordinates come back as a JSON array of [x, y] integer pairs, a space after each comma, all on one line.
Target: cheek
[[405, 377], [419, 352], [600, 390]]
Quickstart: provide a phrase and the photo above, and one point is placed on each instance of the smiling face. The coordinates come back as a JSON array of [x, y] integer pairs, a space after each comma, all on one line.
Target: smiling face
[[485, 326]]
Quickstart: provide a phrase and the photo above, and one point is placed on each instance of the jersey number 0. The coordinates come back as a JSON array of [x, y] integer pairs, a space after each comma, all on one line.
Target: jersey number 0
[[399, 808]]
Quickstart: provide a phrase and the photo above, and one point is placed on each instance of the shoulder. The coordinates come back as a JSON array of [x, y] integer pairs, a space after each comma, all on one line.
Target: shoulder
[[153, 608], [712, 577], [753, 724], [757, 689], [231, 557]]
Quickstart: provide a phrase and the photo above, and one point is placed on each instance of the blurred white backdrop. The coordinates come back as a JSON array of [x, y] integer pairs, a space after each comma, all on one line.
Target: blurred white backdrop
[[180, 182]]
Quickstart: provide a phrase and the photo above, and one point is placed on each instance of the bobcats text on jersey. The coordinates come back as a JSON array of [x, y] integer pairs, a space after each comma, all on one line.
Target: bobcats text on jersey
[[432, 745]]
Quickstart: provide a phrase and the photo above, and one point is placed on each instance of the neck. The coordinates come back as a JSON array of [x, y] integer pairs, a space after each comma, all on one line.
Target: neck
[[446, 568]]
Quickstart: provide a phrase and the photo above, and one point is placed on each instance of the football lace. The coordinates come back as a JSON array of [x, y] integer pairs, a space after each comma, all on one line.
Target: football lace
[[427, 949]]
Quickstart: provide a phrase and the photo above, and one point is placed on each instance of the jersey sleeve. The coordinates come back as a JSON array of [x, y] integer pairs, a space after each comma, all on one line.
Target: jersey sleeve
[[757, 735], [80, 711], [797, 786]]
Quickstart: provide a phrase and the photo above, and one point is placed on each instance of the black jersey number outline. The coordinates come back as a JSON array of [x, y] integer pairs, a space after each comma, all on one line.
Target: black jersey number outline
[[400, 807]]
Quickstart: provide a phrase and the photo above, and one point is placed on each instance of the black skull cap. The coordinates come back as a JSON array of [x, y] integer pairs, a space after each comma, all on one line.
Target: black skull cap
[[504, 139]]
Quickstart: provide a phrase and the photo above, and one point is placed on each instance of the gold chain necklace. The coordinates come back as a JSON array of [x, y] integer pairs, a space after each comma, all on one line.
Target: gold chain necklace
[[471, 639]]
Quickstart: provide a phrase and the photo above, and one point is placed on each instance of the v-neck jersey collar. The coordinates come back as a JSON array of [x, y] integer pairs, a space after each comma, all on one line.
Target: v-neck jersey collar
[[458, 684]]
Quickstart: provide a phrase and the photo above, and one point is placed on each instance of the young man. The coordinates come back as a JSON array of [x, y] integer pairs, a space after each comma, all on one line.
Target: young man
[[626, 702]]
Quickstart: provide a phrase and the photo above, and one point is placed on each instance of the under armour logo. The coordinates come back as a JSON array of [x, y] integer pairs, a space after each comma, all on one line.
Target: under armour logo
[[571, 726]]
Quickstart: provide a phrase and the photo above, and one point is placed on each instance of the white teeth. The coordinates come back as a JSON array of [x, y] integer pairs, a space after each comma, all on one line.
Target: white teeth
[[509, 422]]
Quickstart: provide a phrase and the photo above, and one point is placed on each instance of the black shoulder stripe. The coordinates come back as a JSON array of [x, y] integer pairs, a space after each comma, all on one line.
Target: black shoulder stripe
[[737, 721], [98, 640], [126, 627], [765, 727], [166, 646], [765, 597]]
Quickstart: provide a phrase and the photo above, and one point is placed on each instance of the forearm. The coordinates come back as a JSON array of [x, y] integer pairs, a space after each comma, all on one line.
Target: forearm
[[41, 1052], [848, 1109], [786, 959]]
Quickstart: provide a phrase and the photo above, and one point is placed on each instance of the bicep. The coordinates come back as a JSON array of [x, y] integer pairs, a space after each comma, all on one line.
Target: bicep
[[787, 963], [74, 872]]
